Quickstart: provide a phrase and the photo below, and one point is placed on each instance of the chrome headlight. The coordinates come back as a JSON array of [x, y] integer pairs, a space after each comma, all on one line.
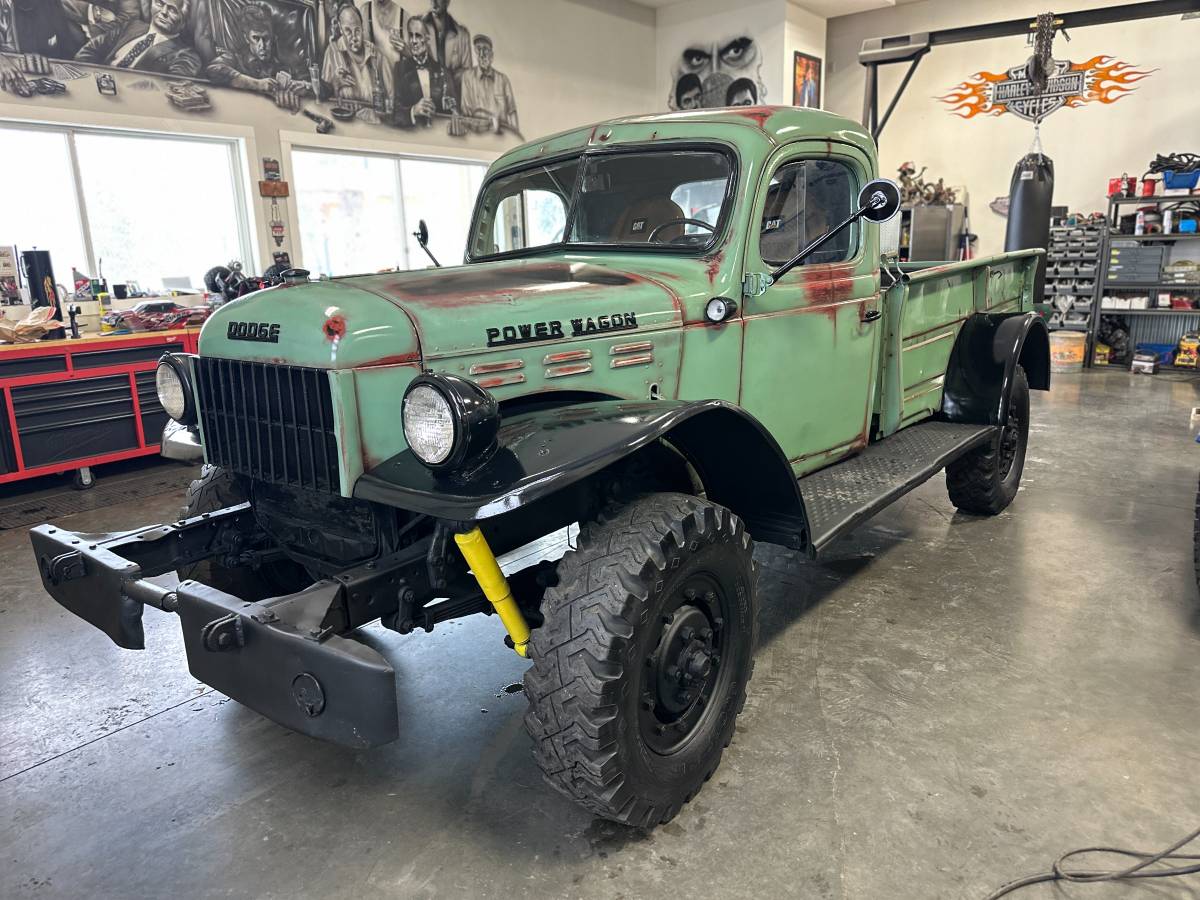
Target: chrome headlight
[[448, 421], [175, 389]]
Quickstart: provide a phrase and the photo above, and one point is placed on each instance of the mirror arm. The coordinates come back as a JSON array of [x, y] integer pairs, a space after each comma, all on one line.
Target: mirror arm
[[833, 232], [422, 236], [429, 253]]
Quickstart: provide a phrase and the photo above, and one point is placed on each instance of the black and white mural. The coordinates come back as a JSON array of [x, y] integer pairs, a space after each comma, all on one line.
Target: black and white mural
[[369, 60], [718, 73]]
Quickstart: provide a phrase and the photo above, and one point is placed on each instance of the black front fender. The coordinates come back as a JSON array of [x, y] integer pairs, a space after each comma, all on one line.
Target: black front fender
[[984, 361], [541, 452]]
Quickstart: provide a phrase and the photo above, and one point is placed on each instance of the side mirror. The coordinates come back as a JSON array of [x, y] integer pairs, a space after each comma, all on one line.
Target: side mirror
[[879, 200], [422, 236]]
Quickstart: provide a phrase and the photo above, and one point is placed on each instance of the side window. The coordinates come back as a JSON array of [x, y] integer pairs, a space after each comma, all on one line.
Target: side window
[[531, 218], [700, 200], [525, 209], [805, 199]]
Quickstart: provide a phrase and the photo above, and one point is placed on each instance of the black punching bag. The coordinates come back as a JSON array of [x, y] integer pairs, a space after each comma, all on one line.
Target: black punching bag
[[1029, 198]]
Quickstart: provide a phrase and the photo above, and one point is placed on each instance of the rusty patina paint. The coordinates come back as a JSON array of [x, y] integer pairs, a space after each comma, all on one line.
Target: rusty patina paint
[[335, 327], [757, 114], [807, 372], [567, 356], [567, 370], [500, 381], [504, 366], [713, 269], [826, 292], [660, 280], [399, 359], [481, 282]]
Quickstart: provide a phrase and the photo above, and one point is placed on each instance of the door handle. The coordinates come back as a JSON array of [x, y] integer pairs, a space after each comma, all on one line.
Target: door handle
[[871, 315]]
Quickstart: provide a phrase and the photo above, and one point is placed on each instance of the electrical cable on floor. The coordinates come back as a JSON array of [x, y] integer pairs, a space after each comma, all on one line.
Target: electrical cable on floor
[[1138, 870]]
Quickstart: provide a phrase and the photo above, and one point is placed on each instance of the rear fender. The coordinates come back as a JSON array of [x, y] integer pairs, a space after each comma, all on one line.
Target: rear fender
[[542, 452], [984, 362]]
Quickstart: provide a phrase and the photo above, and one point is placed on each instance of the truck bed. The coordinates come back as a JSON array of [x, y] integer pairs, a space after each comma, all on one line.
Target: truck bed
[[923, 317]]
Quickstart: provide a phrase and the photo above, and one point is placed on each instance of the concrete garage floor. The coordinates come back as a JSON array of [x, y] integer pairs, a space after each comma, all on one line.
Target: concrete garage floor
[[946, 704]]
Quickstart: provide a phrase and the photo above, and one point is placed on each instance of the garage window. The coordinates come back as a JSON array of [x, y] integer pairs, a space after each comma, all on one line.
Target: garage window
[[357, 211], [40, 205], [162, 211], [804, 200], [136, 207]]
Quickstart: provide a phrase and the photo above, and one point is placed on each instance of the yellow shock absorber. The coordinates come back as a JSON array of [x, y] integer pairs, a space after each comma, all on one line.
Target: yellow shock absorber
[[479, 557]]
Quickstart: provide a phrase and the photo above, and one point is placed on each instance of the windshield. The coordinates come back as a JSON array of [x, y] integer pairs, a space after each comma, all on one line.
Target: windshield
[[663, 198]]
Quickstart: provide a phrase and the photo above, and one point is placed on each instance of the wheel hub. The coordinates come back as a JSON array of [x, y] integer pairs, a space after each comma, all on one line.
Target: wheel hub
[[1010, 439], [685, 659], [684, 669]]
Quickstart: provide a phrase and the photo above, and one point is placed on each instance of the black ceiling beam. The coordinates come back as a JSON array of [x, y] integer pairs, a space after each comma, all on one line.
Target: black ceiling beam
[[1104, 16], [876, 52]]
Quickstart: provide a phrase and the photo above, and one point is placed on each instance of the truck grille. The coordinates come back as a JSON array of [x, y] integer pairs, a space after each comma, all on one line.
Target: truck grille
[[273, 423]]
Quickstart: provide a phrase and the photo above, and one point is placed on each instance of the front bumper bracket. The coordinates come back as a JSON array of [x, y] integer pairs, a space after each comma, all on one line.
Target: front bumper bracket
[[282, 657]]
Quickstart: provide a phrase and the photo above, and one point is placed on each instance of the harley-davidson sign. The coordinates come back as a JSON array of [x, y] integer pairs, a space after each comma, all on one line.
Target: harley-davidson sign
[[1102, 79]]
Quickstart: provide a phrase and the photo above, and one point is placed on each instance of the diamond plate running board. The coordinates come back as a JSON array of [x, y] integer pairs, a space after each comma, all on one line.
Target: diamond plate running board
[[843, 496]]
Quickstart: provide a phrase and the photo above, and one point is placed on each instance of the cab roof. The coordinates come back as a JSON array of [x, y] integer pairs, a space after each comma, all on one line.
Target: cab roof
[[750, 128]]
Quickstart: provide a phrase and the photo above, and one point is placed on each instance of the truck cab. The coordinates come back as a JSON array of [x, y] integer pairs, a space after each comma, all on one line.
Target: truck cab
[[682, 333]]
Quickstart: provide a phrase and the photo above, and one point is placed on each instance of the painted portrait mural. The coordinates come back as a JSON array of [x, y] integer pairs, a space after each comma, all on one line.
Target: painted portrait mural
[[718, 73], [370, 60]]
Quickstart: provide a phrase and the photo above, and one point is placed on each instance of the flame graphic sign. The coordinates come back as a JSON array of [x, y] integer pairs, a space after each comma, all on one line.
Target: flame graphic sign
[[1101, 79]]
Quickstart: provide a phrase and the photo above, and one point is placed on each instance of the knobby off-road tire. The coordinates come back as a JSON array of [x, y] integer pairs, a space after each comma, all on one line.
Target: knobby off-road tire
[[641, 666], [985, 480], [1196, 540], [216, 488]]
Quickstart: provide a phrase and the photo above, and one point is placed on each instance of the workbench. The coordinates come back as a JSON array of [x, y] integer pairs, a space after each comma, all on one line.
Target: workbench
[[73, 404]]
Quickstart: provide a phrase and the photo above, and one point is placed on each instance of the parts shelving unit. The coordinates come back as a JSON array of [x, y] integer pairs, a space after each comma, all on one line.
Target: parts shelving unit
[[1159, 325], [1074, 262]]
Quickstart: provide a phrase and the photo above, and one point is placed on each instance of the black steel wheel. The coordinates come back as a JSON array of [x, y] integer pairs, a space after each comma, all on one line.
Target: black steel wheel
[[985, 480], [641, 665], [217, 488], [683, 675]]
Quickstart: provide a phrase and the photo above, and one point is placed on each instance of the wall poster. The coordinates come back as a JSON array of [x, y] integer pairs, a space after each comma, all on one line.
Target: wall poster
[[806, 80]]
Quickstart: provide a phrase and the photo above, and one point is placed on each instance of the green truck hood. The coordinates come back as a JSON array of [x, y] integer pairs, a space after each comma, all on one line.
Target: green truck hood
[[436, 313], [324, 324], [474, 308]]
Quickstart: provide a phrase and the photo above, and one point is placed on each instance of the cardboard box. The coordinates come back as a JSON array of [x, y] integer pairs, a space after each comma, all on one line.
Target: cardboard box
[[1188, 353], [1144, 364]]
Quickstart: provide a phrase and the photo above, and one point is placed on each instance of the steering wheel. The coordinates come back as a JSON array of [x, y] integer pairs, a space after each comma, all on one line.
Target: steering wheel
[[667, 224]]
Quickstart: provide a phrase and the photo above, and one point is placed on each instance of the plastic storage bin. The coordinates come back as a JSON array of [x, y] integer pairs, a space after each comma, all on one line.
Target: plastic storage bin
[[1181, 180]]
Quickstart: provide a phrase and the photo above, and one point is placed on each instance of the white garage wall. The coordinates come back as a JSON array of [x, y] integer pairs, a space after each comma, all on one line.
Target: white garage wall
[[1088, 145]]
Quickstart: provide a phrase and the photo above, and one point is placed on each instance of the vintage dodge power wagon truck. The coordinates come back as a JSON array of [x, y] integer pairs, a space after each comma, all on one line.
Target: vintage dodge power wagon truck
[[680, 332]]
